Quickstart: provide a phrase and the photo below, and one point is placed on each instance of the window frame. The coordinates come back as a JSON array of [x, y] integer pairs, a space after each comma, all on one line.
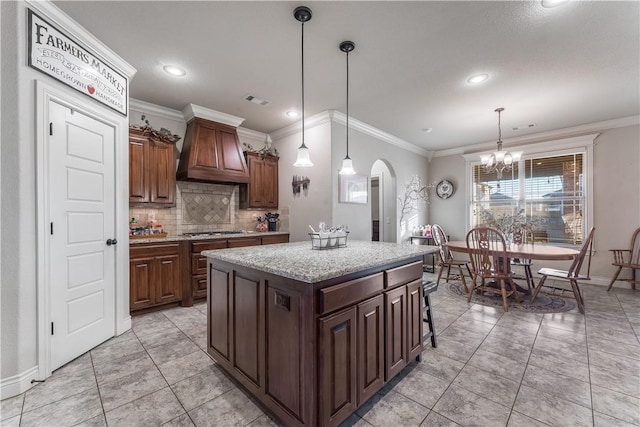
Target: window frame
[[558, 147]]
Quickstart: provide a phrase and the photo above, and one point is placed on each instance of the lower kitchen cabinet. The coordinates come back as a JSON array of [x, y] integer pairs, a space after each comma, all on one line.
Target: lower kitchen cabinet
[[155, 275]]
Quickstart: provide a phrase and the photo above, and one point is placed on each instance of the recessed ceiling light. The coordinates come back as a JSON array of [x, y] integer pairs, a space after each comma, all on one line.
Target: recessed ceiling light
[[427, 130], [292, 114], [553, 3], [173, 70], [478, 78]]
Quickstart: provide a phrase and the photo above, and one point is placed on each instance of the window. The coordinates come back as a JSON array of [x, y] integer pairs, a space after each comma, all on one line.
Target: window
[[547, 189]]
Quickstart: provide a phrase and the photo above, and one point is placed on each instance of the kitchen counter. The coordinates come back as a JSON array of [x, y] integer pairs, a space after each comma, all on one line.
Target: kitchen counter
[[299, 262], [204, 237], [314, 334]]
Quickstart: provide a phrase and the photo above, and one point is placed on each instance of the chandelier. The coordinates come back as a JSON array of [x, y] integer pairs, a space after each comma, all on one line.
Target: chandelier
[[500, 161]]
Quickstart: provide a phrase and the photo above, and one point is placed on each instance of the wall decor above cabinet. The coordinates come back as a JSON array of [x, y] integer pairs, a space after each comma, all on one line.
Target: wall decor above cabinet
[[152, 166], [212, 153]]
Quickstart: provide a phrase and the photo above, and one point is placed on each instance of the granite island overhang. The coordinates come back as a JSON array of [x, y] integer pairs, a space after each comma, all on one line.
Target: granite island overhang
[[313, 334]]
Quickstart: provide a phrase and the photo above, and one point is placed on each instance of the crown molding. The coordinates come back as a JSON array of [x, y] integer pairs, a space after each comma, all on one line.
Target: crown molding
[[156, 110], [519, 142], [334, 116], [78, 33], [545, 146], [355, 124], [191, 111], [253, 135], [310, 122]]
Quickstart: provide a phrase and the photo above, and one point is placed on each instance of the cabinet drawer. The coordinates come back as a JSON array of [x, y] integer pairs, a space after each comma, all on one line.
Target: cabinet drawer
[[156, 249], [402, 275], [244, 241], [279, 238], [199, 262], [199, 286], [349, 293]]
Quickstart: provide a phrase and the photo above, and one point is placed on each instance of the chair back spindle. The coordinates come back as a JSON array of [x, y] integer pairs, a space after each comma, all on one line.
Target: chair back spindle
[[576, 265]]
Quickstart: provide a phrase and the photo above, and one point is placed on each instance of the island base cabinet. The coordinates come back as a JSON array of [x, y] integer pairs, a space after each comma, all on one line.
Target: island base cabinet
[[396, 331], [414, 319], [370, 347], [338, 397]]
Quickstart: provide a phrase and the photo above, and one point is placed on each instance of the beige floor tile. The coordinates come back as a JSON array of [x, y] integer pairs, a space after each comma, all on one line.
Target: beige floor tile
[[393, 409], [153, 409], [466, 408]]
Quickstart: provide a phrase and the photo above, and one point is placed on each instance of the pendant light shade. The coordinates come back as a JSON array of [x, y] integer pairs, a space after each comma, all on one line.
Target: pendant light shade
[[347, 163], [303, 160]]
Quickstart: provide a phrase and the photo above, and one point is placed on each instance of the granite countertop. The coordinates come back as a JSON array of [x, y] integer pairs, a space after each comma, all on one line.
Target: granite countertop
[[204, 237], [299, 262]]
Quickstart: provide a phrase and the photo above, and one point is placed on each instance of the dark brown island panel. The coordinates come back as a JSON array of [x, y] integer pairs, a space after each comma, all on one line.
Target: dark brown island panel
[[313, 334]]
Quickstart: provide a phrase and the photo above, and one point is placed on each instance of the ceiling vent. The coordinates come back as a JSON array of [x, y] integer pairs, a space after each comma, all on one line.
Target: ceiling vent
[[524, 127], [256, 100]]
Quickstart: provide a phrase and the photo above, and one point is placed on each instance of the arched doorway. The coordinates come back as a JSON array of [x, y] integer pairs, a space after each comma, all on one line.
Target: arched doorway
[[383, 202]]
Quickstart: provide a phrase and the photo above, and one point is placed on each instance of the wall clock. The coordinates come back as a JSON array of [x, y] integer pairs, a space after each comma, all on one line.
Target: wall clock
[[444, 189]]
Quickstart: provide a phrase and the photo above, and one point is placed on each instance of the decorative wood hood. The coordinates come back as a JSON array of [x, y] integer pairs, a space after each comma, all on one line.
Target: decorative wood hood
[[211, 150]]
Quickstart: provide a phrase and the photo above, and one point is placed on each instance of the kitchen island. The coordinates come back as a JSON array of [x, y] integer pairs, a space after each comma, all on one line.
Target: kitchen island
[[313, 334]]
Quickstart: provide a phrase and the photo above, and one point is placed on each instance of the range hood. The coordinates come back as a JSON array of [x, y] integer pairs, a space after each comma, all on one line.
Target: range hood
[[211, 151]]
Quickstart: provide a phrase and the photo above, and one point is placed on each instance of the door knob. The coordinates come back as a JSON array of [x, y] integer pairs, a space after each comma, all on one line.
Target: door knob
[[112, 242]]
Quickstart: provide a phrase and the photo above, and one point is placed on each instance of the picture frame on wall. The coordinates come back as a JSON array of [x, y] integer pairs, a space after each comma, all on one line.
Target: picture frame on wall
[[353, 189]]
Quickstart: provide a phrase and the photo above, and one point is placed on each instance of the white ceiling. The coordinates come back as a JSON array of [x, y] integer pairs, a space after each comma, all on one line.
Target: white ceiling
[[556, 67]]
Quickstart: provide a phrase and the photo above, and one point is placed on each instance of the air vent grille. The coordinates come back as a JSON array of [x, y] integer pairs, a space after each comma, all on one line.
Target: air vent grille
[[256, 100]]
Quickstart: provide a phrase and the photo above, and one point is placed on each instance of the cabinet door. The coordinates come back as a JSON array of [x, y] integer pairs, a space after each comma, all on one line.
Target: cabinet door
[[138, 170], [370, 347], [162, 173], [270, 183], [337, 388], [167, 278], [244, 241], [141, 289], [256, 182], [414, 319], [396, 331]]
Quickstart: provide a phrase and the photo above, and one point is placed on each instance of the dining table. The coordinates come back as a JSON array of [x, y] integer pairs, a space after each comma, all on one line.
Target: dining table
[[533, 251]]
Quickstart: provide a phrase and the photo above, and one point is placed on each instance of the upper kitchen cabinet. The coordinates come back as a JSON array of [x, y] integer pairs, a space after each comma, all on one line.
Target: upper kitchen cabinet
[[212, 153], [262, 189], [152, 179]]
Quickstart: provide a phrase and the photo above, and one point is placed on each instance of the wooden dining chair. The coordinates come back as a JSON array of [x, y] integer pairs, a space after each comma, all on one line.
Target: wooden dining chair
[[572, 275], [489, 262], [520, 237], [446, 258], [627, 258]]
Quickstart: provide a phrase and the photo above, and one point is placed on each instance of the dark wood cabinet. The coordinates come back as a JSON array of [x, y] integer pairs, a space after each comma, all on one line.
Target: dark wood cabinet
[[212, 153], [396, 331], [155, 275], [414, 319], [197, 264], [338, 397], [370, 339], [262, 189], [152, 179], [278, 238], [314, 352]]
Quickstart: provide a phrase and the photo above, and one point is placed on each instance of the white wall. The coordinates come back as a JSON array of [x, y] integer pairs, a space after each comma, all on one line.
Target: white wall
[[365, 150], [616, 193], [19, 322], [314, 205]]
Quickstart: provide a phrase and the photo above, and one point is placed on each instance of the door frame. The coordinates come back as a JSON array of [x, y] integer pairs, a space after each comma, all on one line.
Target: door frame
[[46, 93], [380, 178]]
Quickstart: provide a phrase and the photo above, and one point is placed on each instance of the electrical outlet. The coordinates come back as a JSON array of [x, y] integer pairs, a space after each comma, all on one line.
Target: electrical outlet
[[152, 216]]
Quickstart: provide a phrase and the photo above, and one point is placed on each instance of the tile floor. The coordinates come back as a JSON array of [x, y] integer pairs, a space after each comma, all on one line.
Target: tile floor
[[490, 369]]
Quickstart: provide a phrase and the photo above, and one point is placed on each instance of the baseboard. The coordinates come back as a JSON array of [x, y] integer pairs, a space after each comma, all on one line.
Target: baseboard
[[17, 384]]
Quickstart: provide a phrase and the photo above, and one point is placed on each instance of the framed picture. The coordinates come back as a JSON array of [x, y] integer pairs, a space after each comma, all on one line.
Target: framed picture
[[354, 189]]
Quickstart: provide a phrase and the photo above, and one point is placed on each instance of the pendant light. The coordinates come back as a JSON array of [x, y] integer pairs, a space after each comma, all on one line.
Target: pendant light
[[302, 14], [347, 163], [500, 161]]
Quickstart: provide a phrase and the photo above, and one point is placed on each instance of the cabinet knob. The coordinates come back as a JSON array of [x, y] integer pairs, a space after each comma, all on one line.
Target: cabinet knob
[[111, 242]]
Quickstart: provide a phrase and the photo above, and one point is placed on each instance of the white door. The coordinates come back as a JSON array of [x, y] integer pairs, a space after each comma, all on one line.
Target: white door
[[81, 152]]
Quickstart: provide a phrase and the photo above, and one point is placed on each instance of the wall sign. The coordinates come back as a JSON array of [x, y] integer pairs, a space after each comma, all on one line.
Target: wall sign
[[58, 56]]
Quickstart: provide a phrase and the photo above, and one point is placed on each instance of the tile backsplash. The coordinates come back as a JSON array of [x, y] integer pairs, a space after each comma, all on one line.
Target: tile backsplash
[[206, 207]]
